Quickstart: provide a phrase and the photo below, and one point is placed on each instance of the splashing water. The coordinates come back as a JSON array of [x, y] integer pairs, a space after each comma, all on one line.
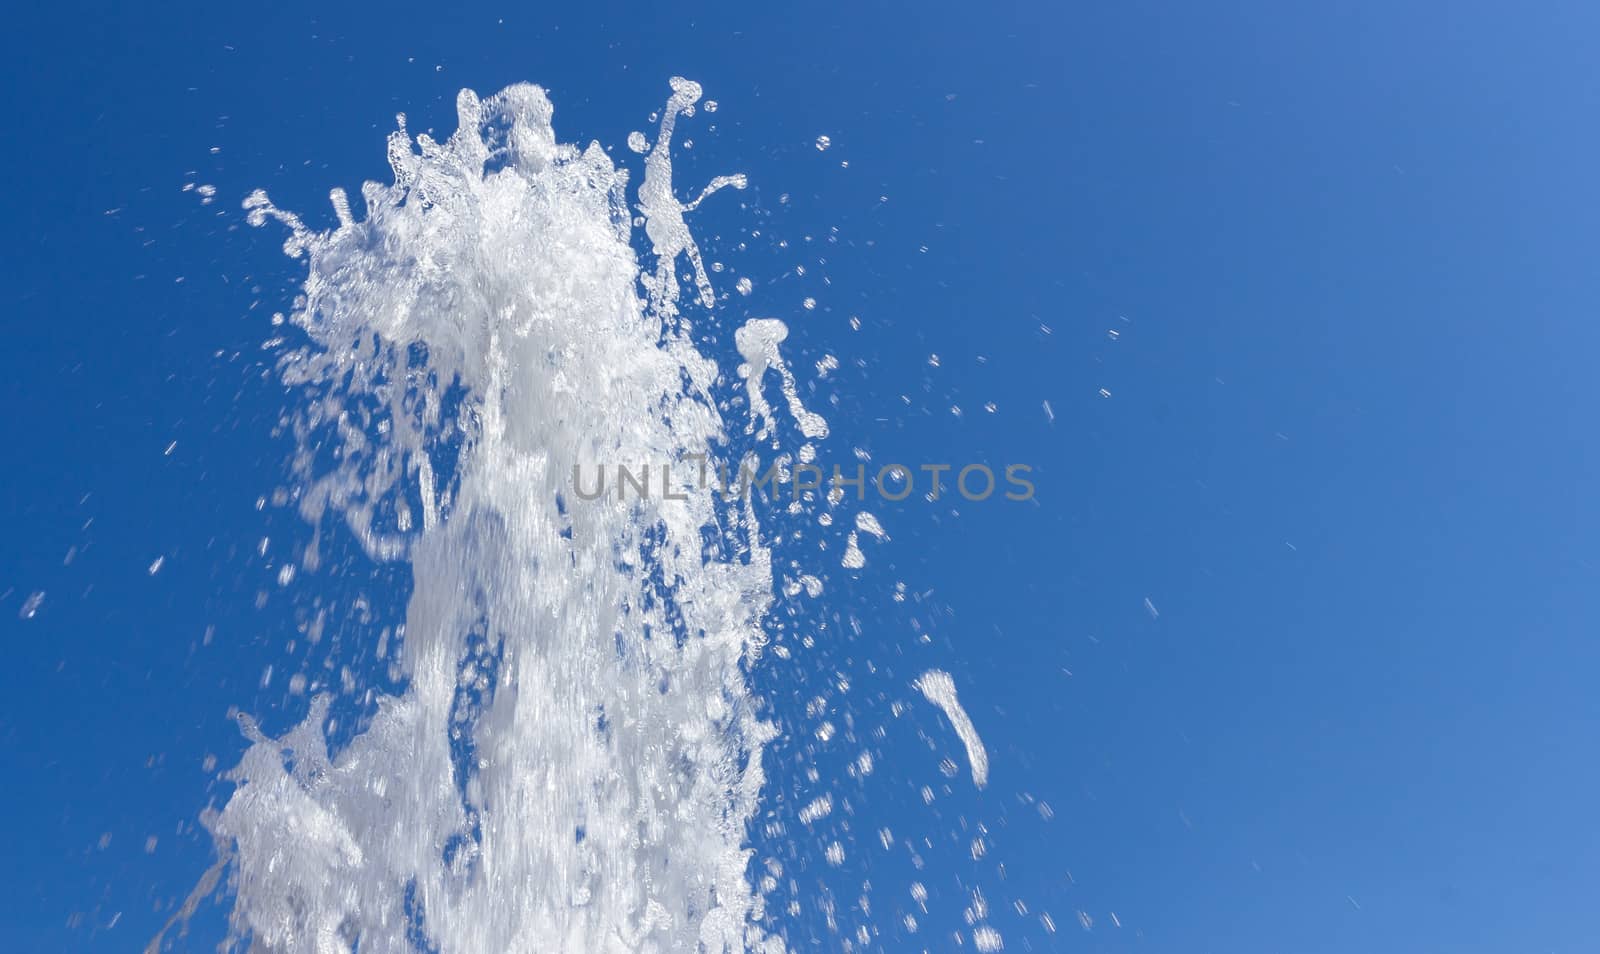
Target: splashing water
[[940, 690], [587, 658], [572, 755]]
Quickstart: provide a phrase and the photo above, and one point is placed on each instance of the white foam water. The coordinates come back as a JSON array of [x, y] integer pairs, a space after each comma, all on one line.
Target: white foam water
[[568, 755], [574, 754]]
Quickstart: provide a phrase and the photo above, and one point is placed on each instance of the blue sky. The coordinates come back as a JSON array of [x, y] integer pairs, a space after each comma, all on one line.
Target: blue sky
[[1347, 451]]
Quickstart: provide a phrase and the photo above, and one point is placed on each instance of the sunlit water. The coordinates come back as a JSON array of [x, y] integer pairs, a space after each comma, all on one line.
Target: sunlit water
[[573, 756]]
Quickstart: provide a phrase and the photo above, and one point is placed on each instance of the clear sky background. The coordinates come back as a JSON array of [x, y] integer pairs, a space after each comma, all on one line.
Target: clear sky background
[[1347, 452]]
